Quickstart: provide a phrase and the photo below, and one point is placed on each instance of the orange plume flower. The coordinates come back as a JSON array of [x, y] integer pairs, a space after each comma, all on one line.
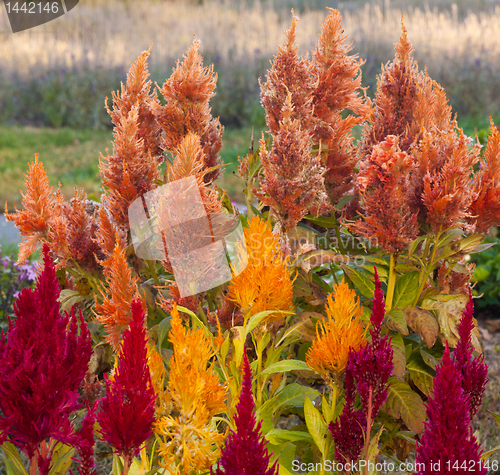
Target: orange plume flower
[[485, 209], [189, 434], [39, 203], [254, 290], [338, 335], [114, 312], [187, 93]]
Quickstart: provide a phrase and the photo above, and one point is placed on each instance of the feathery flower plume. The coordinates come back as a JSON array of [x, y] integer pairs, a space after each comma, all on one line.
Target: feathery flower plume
[[289, 75], [368, 371], [448, 439], [42, 365], [447, 184], [245, 450], [338, 89], [126, 413], [85, 443], [292, 181], [137, 92], [130, 172], [189, 436], [254, 289], [384, 186], [402, 96], [187, 93], [372, 364], [158, 374], [347, 432], [108, 235], [485, 209], [340, 334], [115, 310], [39, 203], [474, 369]]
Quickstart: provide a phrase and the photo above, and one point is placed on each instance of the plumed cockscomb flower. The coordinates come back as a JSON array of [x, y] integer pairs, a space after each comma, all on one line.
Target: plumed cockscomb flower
[[485, 209], [245, 451], [85, 443], [474, 369], [187, 94], [42, 364], [254, 289], [337, 335], [126, 413], [372, 364], [448, 438], [347, 432], [384, 186], [292, 181]]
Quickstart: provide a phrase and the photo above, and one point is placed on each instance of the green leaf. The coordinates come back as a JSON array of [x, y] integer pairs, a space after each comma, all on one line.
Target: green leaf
[[13, 458], [373, 451], [294, 395], [343, 201], [278, 436], [360, 280], [314, 259], [61, 459], [258, 317], [395, 320], [326, 222], [406, 290], [449, 236], [239, 337], [163, 329], [406, 404], [420, 373], [423, 324], [429, 359], [398, 355], [316, 426], [496, 417], [285, 365]]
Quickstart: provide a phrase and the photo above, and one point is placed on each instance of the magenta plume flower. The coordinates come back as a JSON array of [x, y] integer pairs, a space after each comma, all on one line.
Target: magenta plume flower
[[474, 369], [448, 442], [42, 364], [85, 443], [127, 411], [368, 371], [348, 430], [245, 451], [372, 364]]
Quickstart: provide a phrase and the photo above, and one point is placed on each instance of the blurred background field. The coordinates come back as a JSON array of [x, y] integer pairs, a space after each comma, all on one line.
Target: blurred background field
[[54, 78]]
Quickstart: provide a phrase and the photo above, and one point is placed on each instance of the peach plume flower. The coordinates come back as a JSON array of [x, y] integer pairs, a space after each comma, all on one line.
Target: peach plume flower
[[187, 94], [384, 186], [339, 334], [254, 290], [189, 437]]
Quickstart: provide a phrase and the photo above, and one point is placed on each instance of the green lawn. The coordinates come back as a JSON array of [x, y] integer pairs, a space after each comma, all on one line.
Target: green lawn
[[71, 156]]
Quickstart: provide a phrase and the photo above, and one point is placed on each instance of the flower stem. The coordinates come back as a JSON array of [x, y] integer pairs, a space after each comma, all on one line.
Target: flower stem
[[368, 427], [391, 283], [33, 463]]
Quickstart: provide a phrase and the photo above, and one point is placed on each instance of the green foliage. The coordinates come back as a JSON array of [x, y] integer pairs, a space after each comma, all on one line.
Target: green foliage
[[487, 273]]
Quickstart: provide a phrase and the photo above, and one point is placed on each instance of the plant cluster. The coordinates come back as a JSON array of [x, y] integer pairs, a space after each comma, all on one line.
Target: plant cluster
[[348, 334]]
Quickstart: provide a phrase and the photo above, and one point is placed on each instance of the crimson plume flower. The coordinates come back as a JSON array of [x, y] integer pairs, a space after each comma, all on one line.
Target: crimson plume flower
[[42, 365], [368, 371], [85, 443], [448, 438], [347, 432], [127, 411], [245, 452], [474, 369]]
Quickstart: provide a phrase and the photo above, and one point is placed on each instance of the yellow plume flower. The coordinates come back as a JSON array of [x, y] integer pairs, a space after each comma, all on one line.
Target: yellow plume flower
[[265, 284], [337, 335], [190, 438]]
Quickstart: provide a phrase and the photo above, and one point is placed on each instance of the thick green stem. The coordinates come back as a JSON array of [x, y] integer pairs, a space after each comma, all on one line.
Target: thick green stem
[[391, 283]]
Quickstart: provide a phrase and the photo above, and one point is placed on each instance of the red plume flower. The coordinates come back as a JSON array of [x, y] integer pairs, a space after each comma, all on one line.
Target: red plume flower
[[42, 365], [474, 369], [85, 443], [448, 439], [245, 452], [127, 411]]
